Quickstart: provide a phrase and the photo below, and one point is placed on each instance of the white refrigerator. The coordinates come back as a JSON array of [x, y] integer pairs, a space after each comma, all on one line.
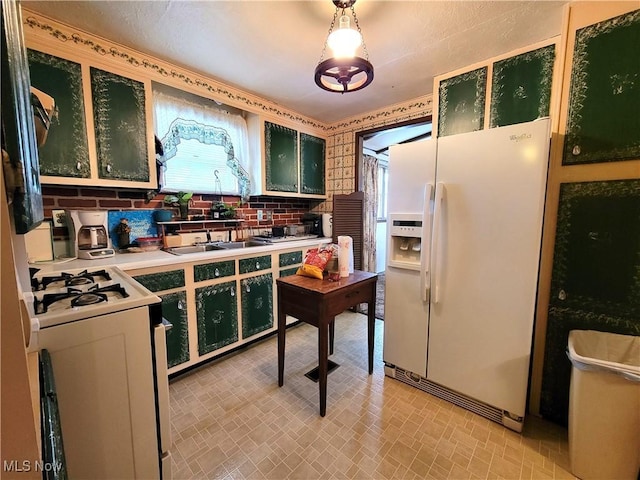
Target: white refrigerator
[[464, 236]]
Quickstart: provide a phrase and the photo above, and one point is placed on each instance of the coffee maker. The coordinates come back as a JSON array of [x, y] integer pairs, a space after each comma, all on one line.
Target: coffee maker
[[312, 223], [89, 234]]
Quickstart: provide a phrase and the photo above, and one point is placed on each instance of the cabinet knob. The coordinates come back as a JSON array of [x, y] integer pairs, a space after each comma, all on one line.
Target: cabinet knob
[[216, 272], [258, 265], [78, 166], [109, 168], [247, 287], [562, 295], [233, 292]]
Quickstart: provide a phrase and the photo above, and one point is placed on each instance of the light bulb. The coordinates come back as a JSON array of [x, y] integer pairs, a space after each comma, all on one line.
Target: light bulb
[[344, 41]]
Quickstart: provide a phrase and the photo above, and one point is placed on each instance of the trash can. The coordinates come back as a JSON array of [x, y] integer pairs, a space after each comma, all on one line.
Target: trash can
[[604, 405]]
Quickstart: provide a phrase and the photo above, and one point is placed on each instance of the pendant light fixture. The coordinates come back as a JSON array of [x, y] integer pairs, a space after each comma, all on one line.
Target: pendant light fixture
[[344, 72]]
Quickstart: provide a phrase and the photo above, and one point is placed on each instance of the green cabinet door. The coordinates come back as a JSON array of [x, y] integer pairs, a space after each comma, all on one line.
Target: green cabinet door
[[119, 116], [174, 309], [254, 264], [66, 151], [157, 282], [312, 161], [209, 271], [603, 124], [257, 304], [461, 103], [521, 87], [281, 158], [595, 282], [217, 316]]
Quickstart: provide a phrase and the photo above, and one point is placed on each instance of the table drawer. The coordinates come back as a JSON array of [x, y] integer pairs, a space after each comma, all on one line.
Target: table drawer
[[353, 296]]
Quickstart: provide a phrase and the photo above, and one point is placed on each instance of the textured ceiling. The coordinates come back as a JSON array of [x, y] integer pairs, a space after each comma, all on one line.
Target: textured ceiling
[[270, 48]]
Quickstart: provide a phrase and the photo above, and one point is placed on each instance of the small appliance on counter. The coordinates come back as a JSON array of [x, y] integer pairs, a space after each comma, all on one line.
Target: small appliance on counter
[[312, 223], [327, 225], [89, 234]]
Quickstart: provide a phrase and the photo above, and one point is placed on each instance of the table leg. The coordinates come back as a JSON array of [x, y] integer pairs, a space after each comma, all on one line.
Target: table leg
[[322, 365], [282, 328], [371, 321], [332, 334]]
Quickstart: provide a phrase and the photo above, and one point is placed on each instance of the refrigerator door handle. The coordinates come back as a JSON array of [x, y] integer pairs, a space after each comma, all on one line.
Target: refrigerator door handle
[[437, 219], [425, 260]]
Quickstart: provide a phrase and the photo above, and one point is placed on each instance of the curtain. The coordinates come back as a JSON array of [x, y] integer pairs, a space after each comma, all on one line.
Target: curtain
[[370, 188], [178, 119]]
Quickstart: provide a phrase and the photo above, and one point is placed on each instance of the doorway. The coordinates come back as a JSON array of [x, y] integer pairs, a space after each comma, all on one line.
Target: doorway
[[372, 173]]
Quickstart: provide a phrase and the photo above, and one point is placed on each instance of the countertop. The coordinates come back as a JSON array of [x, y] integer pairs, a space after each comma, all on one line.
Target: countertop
[[134, 261]]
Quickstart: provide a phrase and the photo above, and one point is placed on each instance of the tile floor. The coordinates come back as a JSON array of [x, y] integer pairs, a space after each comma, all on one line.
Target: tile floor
[[231, 421]]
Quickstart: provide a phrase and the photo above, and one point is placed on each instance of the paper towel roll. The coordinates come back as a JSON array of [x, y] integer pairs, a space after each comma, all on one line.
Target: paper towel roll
[[345, 255]]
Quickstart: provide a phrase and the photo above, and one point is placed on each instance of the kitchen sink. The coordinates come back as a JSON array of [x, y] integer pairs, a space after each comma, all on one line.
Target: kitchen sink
[[248, 243], [194, 249], [208, 247]]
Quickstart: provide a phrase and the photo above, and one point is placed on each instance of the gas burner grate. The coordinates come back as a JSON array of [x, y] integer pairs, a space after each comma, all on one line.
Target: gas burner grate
[[78, 298], [70, 279]]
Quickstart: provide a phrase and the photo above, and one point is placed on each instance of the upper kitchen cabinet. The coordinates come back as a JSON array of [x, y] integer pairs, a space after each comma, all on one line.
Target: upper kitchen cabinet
[[100, 133], [312, 164], [521, 87], [120, 126], [516, 87], [66, 153], [281, 158], [601, 120], [293, 162], [461, 102]]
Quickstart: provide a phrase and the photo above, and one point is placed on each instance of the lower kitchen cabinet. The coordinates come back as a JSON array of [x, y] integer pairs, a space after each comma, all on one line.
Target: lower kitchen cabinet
[[218, 305], [256, 298], [217, 316], [174, 310]]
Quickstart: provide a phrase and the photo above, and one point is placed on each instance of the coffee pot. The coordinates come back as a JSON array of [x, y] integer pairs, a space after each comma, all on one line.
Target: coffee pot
[[89, 234]]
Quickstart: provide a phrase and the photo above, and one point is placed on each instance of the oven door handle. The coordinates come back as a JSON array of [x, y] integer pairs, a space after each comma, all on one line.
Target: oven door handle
[[166, 324]]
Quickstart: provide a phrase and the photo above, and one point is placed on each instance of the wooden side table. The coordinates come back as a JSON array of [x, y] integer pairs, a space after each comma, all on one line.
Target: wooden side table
[[317, 302]]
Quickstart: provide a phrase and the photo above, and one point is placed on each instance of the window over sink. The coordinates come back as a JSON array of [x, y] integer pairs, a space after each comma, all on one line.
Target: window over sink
[[205, 145]]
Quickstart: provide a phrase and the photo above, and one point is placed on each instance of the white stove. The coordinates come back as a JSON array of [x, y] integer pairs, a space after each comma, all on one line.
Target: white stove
[[105, 336], [68, 296]]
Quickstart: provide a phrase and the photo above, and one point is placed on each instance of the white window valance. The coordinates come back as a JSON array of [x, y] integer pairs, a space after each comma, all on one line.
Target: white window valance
[[206, 150]]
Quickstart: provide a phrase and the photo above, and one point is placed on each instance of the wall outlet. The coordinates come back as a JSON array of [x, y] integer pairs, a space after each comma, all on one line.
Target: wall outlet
[[260, 215], [269, 215], [59, 218]]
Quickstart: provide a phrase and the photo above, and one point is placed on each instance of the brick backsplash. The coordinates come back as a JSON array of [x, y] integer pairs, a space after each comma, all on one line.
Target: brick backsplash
[[284, 210]]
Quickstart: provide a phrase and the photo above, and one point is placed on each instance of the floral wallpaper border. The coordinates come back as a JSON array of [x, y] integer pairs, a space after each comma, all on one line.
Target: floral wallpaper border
[[162, 69]]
